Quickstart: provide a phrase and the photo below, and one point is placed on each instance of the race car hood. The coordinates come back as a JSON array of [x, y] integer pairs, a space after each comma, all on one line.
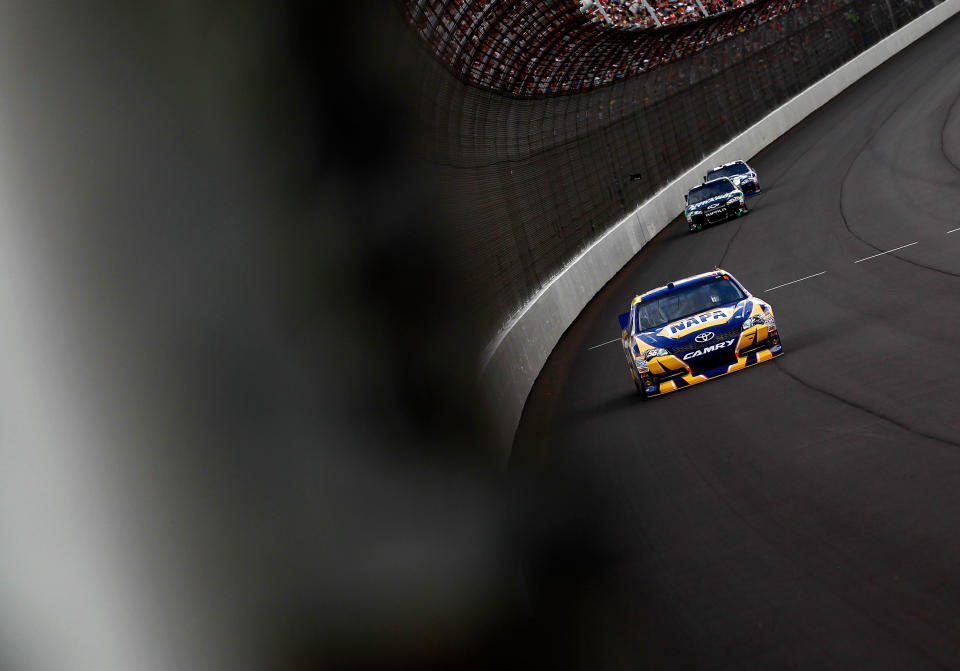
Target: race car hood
[[686, 329], [736, 179], [710, 201]]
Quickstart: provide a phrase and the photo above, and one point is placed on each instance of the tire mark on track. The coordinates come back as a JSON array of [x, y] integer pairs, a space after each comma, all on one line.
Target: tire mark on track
[[865, 409], [846, 175], [943, 130], [730, 243]]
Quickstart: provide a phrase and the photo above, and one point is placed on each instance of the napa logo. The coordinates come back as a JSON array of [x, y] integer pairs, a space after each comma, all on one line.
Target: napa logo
[[697, 321]]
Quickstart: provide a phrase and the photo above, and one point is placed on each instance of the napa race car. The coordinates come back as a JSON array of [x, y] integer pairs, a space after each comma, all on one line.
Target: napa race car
[[713, 202], [694, 330], [738, 172]]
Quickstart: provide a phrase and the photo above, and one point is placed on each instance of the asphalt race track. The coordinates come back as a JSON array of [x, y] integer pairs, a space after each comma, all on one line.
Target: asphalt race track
[[804, 513]]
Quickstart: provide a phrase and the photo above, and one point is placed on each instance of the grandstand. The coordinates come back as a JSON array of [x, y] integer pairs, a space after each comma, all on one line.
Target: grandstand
[[533, 48], [644, 14]]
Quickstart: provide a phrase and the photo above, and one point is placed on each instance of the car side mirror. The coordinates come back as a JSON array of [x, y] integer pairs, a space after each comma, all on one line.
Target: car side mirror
[[686, 199]]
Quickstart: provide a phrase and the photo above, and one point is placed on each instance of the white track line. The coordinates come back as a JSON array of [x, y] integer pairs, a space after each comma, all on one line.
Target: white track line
[[887, 252], [603, 343], [795, 281], [953, 231]]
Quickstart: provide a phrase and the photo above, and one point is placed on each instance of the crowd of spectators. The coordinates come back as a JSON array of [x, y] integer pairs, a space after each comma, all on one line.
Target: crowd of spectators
[[645, 14], [542, 47], [528, 48]]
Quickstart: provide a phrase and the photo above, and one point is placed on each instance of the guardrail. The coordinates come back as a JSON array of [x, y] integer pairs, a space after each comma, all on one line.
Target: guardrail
[[514, 358]]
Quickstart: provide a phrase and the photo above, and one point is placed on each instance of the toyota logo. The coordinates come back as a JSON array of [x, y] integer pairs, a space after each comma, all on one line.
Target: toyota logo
[[705, 337]]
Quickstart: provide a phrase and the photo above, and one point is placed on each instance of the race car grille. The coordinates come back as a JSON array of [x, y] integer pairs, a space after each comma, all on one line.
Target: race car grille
[[703, 363], [719, 336]]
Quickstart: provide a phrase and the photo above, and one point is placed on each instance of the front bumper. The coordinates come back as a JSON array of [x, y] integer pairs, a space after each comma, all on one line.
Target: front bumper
[[715, 216], [671, 373]]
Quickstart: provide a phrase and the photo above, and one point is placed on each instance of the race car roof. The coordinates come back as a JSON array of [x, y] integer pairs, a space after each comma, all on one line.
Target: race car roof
[[725, 165], [713, 181], [672, 286]]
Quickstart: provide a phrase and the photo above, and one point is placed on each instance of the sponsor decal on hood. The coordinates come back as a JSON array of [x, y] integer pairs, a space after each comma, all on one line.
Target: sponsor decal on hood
[[710, 201], [683, 327], [681, 330]]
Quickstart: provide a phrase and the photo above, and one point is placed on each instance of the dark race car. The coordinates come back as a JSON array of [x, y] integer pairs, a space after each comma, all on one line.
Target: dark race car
[[738, 172], [694, 330], [713, 202]]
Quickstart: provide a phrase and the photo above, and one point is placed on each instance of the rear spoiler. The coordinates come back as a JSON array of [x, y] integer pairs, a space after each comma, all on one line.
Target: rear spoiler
[[624, 320]]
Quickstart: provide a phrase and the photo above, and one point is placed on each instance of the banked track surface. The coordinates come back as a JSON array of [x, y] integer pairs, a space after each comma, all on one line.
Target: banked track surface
[[804, 513]]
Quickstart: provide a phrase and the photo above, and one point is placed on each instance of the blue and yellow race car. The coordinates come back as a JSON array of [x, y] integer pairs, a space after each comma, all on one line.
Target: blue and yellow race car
[[695, 329]]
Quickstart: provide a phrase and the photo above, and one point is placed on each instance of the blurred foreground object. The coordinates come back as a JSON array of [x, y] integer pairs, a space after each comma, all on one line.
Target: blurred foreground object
[[238, 396]]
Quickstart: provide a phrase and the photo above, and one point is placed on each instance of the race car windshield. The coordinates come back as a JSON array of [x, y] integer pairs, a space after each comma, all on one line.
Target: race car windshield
[[698, 194], [728, 171], [686, 301]]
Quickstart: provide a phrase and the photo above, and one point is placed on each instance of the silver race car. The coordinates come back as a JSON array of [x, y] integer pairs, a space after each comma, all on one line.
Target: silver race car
[[738, 172]]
